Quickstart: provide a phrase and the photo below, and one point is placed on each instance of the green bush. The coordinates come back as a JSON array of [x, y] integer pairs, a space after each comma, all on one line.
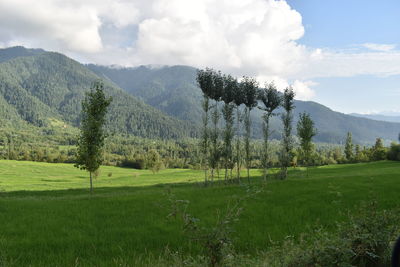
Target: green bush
[[364, 240], [394, 152]]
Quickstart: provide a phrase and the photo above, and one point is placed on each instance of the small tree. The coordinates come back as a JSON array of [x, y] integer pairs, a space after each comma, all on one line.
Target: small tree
[[287, 140], [91, 139], [271, 100], [305, 132], [348, 149], [153, 161], [378, 150]]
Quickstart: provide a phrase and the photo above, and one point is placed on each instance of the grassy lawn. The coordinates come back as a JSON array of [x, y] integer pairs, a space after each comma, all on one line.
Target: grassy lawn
[[48, 218]]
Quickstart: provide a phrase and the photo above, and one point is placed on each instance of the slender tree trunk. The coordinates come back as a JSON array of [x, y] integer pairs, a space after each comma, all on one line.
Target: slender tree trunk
[[91, 183], [266, 146], [247, 141], [205, 137], [238, 143]]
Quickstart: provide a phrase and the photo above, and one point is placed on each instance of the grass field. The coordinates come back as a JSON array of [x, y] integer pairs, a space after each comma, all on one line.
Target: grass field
[[48, 217]]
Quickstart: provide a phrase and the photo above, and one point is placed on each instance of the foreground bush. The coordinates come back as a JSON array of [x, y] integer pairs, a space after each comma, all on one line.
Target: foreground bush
[[364, 240]]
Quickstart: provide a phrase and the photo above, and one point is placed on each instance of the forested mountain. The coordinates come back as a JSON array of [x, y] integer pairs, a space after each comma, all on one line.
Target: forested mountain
[[173, 90], [38, 88]]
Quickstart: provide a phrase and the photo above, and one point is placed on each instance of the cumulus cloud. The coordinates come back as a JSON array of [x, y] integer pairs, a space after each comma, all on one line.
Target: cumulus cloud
[[243, 37]]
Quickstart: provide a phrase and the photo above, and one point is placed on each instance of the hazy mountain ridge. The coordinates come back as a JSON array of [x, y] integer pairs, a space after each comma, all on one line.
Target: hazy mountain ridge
[[377, 117]]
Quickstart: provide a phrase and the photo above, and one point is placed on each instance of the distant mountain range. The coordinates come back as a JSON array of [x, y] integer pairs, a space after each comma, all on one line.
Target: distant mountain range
[[378, 117], [38, 87]]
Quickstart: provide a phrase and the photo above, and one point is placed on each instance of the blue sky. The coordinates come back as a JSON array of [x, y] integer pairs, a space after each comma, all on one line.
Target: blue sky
[[345, 24], [341, 53], [341, 23]]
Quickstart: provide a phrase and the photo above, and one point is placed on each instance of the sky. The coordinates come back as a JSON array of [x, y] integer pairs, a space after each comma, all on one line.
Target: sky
[[344, 54]]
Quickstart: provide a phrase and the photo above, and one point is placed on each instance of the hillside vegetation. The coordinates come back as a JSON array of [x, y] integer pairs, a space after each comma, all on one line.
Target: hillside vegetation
[[38, 88]]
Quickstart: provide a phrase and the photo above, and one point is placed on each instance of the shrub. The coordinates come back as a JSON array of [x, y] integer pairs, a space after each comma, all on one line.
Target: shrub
[[364, 240], [394, 152]]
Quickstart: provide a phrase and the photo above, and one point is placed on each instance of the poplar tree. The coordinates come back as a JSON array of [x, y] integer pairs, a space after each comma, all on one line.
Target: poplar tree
[[228, 97], [205, 82], [287, 139], [249, 88], [348, 149], [238, 100], [271, 100], [305, 132], [91, 139], [215, 94]]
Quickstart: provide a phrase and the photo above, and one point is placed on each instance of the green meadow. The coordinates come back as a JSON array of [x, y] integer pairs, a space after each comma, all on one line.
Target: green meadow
[[49, 218]]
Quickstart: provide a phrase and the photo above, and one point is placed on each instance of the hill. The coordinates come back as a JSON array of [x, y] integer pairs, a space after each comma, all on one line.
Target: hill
[[173, 90], [38, 88]]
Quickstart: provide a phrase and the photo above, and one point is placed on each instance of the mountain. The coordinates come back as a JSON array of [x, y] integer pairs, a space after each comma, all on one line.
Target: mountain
[[18, 51], [170, 89], [378, 117], [38, 88], [173, 90]]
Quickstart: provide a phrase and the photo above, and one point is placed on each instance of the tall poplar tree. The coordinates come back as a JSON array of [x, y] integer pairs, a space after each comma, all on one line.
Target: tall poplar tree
[[216, 94], [271, 100], [306, 131], [91, 139], [348, 148], [287, 139], [238, 100], [249, 88], [205, 82], [228, 97]]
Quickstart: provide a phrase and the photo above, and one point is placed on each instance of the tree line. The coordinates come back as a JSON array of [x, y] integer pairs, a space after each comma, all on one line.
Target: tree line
[[217, 137], [234, 95]]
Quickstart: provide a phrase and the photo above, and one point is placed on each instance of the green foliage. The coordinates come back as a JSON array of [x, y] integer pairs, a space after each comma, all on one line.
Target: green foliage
[[306, 131], [348, 149], [91, 139], [153, 161], [271, 100], [287, 139], [379, 152], [362, 240], [249, 88], [394, 152]]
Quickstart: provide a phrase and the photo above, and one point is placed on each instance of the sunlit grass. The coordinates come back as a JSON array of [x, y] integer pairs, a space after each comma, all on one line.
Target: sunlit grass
[[126, 215]]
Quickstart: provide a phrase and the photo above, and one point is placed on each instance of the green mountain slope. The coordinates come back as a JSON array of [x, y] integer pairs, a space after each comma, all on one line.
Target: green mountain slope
[[174, 91], [41, 87]]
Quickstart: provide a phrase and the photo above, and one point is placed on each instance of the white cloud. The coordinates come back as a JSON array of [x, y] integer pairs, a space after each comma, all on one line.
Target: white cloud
[[243, 37], [379, 47], [346, 64], [303, 89]]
